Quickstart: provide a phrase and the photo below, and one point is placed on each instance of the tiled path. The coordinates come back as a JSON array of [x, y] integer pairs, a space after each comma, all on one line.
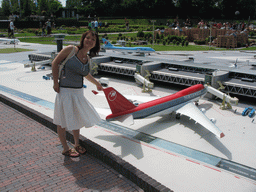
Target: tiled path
[[31, 160]]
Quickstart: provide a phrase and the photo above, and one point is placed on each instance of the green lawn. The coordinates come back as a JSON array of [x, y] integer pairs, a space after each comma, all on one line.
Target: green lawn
[[50, 40], [13, 50], [29, 38], [180, 48]]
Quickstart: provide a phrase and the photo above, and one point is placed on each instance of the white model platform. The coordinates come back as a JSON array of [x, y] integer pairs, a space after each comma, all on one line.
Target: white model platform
[[179, 154]]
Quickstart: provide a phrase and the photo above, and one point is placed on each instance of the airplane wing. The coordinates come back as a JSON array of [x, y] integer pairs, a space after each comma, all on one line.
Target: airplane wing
[[193, 112]]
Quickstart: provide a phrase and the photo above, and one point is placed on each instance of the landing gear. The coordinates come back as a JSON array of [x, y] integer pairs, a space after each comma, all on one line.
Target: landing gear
[[178, 116]]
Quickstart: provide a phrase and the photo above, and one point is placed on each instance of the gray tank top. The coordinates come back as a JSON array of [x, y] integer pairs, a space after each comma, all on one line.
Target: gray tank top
[[73, 73]]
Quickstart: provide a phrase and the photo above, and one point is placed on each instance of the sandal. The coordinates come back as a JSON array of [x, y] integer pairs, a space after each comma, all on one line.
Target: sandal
[[80, 149], [71, 153]]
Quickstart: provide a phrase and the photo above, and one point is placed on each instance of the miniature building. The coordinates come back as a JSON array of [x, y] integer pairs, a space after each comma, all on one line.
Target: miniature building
[[223, 40], [226, 41]]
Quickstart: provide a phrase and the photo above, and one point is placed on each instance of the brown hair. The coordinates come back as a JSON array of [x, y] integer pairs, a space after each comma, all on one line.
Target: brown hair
[[95, 50]]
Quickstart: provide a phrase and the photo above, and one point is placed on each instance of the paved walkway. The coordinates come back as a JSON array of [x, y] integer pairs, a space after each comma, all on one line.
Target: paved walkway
[[31, 160]]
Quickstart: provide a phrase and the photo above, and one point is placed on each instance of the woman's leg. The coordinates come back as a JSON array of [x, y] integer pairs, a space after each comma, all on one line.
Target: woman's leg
[[76, 137], [79, 149], [62, 136]]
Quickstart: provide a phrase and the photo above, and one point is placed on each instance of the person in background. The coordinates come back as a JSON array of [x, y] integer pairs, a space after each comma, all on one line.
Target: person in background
[[43, 30], [89, 25], [92, 25], [48, 27], [96, 25], [11, 29]]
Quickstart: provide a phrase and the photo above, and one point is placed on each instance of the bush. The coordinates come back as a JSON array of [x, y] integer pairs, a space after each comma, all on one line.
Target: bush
[[173, 37], [199, 42], [148, 35], [140, 34], [157, 36], [252, 33]]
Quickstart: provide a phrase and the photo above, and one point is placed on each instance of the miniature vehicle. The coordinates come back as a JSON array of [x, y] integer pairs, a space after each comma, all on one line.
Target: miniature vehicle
[[247, 111], [251, 114], [173, 69], [118, 61], [104, 81], [247, 79]]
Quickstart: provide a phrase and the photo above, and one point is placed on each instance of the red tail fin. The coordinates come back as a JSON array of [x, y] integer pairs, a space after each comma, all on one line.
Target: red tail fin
[[117, 102]]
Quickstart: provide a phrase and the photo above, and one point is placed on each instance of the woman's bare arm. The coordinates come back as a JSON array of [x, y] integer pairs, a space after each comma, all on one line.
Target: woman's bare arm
[[90, 78]]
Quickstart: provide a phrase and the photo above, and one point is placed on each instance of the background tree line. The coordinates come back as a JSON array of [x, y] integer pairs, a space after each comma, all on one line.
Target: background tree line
[[204, 9], [207, 9], [24, 8]]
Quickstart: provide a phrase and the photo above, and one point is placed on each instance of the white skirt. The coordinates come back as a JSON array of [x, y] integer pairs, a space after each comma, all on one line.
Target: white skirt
[[73, 111]]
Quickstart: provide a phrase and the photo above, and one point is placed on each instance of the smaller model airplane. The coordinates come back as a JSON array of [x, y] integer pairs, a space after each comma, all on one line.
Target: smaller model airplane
[[234, 65], [9, 41], [141, 50], [181, 102]]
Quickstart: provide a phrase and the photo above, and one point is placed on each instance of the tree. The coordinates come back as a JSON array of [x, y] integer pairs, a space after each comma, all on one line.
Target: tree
[[247, 9], [228, 8], [54, 6], [6, 7], [164, 8], [43, 7], [14, 6], [205, 7], [26, 8], [185, 8]]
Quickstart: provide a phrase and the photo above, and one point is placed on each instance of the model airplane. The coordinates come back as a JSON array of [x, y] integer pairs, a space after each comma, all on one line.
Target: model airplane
[[234, 65], [181, 102], [108, 45], [9, 41]]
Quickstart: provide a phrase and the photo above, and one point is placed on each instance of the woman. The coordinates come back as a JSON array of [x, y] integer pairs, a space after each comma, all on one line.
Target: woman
[[72, 110]]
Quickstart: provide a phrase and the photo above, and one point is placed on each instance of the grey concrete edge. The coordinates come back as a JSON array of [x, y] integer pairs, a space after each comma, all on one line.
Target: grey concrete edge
[[124, 168]]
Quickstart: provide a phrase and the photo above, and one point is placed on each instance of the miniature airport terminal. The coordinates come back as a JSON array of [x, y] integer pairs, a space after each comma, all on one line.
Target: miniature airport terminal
[[174, 149]]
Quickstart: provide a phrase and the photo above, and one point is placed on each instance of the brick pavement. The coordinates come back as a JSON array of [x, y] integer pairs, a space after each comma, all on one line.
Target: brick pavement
[[31, 160]]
